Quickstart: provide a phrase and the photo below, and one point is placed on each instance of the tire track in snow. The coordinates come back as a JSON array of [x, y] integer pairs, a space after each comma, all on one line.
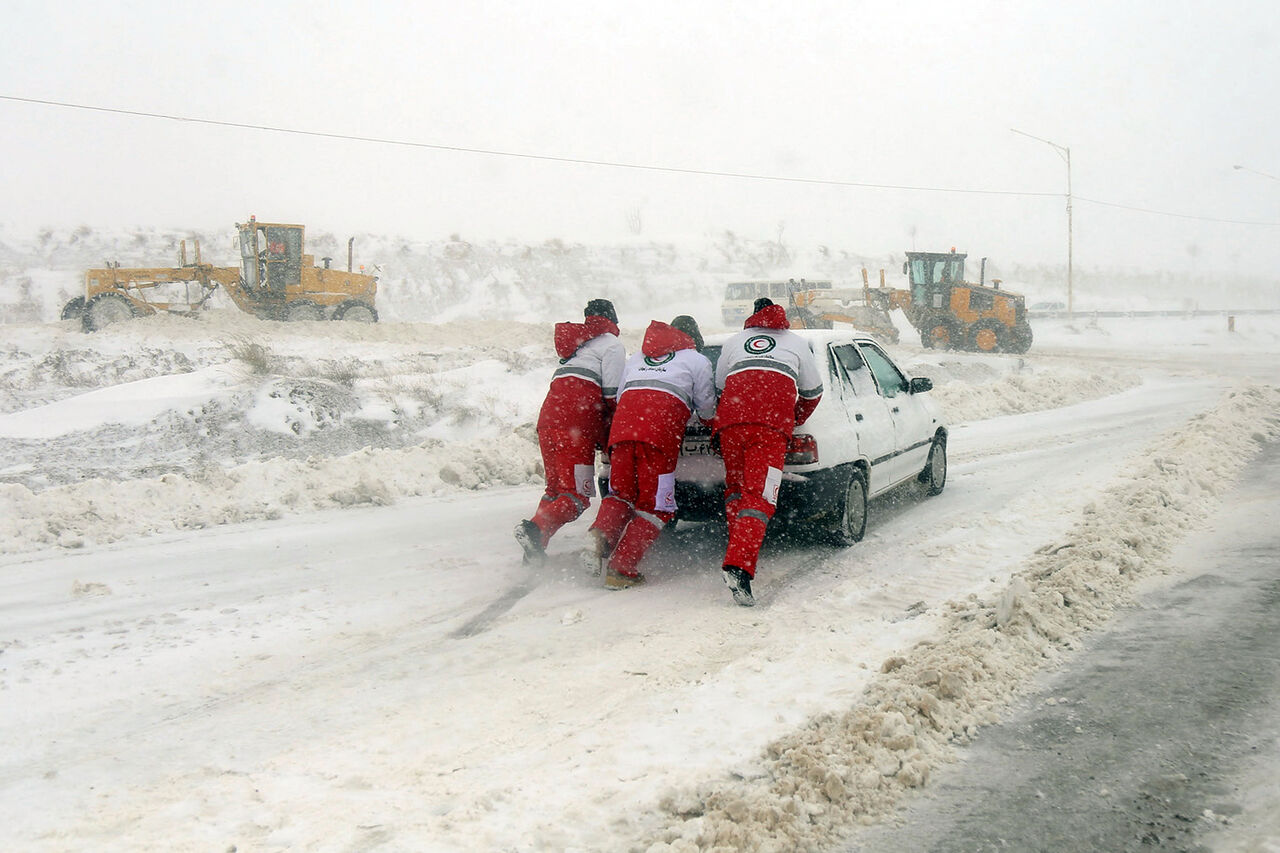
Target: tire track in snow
[[482, 620]]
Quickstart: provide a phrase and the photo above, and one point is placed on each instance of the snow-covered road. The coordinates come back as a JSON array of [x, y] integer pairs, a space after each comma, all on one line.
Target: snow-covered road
[[393, 678]]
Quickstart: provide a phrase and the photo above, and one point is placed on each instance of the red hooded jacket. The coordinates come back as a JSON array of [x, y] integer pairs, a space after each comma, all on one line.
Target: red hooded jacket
[[767, 375], [585, 386], [661, 385]]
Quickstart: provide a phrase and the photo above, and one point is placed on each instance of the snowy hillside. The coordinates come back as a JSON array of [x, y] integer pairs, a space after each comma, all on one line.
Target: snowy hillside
[[435, 280]]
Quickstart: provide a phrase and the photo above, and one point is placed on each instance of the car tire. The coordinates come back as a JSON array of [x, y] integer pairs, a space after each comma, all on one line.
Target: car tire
[[934, 475], [851, 514]]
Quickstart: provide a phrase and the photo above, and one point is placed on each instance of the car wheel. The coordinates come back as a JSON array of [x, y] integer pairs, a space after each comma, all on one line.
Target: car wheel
[[851, 517], [106, 308], [934, 475], [74, 309]]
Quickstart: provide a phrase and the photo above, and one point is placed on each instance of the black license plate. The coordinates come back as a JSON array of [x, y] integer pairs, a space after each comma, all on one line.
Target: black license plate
[[697, 446]]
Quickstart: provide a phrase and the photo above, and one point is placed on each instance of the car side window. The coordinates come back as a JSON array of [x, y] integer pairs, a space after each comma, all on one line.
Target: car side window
[[891, 381], [847, 355], [837, 371], [847, 363]]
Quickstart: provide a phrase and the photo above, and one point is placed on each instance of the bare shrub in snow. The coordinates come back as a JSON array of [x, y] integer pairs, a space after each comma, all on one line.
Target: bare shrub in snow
[[257, 357]]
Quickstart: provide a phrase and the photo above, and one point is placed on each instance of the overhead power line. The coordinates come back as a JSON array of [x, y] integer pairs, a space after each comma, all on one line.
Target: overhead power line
[[493, 152], [1175, 215], [522, 155]]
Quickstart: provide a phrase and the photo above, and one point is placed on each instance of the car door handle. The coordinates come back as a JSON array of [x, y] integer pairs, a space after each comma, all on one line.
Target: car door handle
[[894, 410], [858, 416]]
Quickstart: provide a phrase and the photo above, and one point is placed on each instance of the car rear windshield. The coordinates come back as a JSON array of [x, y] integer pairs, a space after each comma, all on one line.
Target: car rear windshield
[[712, 352]]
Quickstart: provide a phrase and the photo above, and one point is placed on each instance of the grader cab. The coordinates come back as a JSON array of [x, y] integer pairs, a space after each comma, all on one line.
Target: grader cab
[[275, 280], [278, 281]]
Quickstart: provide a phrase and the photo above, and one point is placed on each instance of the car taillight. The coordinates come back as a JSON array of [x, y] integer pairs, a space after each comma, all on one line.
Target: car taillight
[[802, 450]]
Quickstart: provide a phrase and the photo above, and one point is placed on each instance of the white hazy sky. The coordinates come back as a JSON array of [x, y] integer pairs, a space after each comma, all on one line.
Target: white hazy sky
[[1157, 101]]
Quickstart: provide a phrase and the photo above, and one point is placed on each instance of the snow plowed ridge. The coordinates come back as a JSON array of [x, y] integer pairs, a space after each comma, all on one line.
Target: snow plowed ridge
[[1027, 392], [843, 770], [106, 511], [98, 510]]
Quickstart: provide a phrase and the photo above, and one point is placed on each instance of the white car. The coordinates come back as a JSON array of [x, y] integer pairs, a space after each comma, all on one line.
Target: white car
[[875, 429]]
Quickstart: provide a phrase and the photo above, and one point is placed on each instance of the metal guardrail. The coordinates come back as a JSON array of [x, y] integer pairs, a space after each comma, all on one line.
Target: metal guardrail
[[1199, 312]]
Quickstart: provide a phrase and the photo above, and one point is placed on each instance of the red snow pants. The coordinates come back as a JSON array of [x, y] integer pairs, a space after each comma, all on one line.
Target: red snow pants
[[641, 501], [753, 457], [563, 451]]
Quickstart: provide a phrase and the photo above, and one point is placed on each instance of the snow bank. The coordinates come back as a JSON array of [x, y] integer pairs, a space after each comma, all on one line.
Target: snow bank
[[170, 424], [132, 404], [108, 511], [817, 784], [1027, 389], [468, 445]]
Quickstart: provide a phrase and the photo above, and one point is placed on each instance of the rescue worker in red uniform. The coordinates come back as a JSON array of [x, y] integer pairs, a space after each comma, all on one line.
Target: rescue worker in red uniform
[[769, 384], [574, 421], [661, 385]]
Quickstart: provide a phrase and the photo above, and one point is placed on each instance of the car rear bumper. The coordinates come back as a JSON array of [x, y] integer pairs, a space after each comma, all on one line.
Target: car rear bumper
[[802, 497]]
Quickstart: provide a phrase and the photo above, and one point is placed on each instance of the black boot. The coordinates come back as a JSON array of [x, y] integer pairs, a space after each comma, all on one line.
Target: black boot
[[530, 538], [739, 583]]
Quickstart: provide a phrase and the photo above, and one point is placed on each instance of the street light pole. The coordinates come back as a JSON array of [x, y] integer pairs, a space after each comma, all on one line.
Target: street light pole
[[1065, 153]]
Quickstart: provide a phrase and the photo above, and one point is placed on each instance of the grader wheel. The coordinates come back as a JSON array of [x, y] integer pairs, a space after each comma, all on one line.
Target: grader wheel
[[1018, 339], [986, 336], [302, 310], [940, 332], [73, 310], [353, 310], [105, 309]]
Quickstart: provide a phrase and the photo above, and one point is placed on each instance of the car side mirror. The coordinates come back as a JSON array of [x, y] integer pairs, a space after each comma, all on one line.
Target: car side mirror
[[920, 384]]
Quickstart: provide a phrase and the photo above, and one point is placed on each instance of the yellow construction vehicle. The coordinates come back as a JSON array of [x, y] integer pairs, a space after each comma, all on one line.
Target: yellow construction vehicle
[[275, 281], [952, 313], [822, 309]]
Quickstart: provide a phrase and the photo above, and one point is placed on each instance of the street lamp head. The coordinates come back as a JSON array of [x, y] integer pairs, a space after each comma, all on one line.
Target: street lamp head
[[1256, 172]]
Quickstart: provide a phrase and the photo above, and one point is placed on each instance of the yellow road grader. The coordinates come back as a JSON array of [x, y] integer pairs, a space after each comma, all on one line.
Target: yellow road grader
[[821, 309], [275, 280], [948, 312], [951, 313]]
